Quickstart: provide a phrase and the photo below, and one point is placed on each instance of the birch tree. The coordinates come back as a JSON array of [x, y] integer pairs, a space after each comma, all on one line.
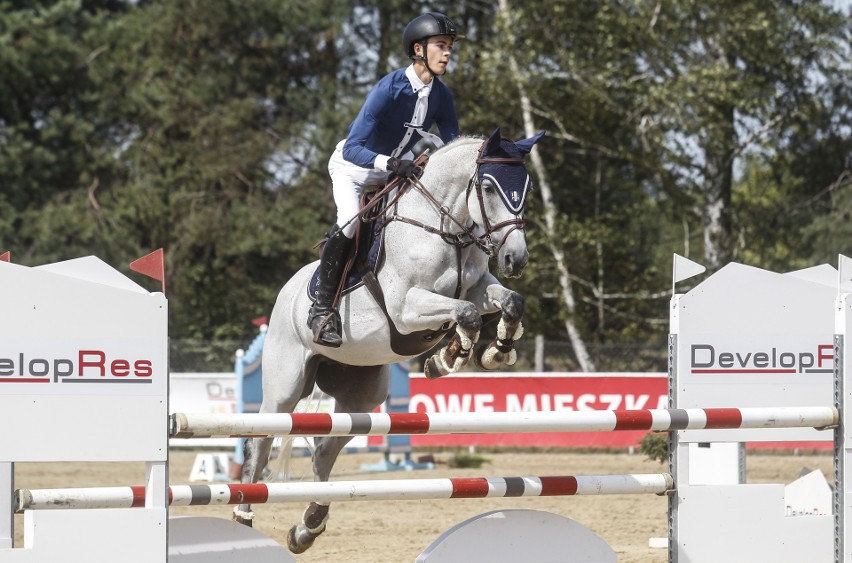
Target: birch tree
[[728, 79], [550, 213]]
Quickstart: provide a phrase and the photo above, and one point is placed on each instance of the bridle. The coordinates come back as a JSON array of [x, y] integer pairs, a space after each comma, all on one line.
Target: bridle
[[485, 241], [466, 234]]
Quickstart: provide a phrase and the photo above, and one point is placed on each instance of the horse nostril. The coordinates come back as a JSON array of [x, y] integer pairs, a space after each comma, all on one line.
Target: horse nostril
[[511, 266]]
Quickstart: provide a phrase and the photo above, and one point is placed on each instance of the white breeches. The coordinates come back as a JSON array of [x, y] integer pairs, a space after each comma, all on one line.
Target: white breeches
[[348, 181]]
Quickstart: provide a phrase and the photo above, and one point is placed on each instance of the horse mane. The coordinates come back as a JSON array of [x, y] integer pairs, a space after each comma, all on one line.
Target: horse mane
[[457, 143], [444, 174]]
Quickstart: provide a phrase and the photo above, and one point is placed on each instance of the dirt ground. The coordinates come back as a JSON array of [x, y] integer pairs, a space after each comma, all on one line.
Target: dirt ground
[[397, 531]]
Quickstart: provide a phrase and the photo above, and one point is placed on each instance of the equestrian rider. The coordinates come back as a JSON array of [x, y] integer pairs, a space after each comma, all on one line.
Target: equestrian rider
[[406, 101]]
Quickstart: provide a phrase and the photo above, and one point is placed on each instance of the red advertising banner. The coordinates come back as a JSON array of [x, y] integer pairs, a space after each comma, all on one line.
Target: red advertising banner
[[526, 392]]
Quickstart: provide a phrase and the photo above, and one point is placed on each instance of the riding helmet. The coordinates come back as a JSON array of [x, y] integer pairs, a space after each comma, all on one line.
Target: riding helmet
[[425, 26]]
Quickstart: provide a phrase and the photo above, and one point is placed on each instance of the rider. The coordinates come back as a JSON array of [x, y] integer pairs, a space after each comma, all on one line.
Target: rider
[[379, 141]]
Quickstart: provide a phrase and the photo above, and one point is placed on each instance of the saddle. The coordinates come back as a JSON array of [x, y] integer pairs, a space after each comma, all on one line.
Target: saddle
[[366, 258], [366, 254]]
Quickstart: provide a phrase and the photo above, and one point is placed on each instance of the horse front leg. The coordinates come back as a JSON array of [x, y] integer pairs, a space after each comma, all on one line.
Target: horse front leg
[[454, 356], [501, 350], [424, 310]]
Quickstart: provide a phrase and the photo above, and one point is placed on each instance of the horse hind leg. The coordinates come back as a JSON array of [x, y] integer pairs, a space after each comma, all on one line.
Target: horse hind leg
[[256, 456], [256, 453], [302, 536], [355, 389]]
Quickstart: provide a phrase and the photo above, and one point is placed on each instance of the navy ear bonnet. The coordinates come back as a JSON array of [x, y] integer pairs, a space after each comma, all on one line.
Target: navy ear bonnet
[[503, 166]]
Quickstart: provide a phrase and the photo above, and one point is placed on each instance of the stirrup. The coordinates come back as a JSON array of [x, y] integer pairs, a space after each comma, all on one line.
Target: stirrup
[[326, 329]]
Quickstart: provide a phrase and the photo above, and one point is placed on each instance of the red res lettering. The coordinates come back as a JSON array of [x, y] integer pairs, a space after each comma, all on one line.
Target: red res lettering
[[88, 363], [143, 368], [120, 368], [117, 368]]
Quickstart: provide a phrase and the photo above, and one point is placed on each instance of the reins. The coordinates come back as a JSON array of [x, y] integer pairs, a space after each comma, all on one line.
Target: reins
[[365, 212], [467, 236], [459, 240]]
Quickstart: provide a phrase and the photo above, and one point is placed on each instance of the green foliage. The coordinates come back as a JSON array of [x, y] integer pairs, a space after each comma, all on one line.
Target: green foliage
[[655, 446], [735, 79], [464, 460], [709, 129], [176, 104], [831, 233]]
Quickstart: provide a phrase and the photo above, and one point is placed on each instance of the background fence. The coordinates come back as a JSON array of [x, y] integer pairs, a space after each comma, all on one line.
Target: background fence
[[534, 354]]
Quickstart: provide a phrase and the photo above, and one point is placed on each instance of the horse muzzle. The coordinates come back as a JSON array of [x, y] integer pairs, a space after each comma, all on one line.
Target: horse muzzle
[[511, 262]]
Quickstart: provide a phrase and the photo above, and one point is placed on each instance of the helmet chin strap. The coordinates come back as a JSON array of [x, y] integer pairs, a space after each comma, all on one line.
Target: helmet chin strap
[[424, 58]]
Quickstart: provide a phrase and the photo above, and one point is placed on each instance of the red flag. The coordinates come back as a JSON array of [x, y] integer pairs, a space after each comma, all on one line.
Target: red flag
[[260, 321], [6, 256], [151, 266]]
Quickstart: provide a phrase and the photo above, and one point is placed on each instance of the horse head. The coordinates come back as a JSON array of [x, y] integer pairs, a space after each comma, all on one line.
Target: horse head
[[497, 197]]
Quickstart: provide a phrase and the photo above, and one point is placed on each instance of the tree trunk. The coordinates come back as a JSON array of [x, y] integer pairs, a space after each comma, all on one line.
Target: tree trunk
[[719, 240], [577, 342]]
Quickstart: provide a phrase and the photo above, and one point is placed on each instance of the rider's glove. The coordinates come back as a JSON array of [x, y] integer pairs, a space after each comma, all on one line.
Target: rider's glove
[[403, 168]]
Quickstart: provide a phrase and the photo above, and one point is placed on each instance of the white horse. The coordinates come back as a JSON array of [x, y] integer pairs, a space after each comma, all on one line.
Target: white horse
[[438, 237]]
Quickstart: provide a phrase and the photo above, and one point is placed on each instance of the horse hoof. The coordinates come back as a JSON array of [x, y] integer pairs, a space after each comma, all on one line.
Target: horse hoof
[[247, 520], [430, 369], [299, 540], [478, 358]]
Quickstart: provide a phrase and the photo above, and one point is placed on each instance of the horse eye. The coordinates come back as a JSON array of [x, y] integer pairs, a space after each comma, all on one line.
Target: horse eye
[[488, 186]]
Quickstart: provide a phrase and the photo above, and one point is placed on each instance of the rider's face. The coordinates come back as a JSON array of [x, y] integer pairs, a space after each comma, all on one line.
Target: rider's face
[[438, 51]]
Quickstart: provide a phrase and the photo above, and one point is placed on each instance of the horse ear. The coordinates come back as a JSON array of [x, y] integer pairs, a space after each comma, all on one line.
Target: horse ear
[[493, 143], [526, 145]]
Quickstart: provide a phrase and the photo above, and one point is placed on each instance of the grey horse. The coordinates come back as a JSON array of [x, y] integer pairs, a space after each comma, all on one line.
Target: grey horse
[[439, 234]]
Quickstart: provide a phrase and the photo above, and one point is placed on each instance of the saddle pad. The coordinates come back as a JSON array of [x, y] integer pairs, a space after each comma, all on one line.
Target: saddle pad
[[356, 275]]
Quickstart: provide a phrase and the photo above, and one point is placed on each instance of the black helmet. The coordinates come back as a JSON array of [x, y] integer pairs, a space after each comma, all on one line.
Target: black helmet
[[424, 27]]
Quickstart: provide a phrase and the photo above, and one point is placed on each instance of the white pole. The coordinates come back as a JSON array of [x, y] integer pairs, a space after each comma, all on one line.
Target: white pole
[[378, 424], [335, 491], [539, 353]]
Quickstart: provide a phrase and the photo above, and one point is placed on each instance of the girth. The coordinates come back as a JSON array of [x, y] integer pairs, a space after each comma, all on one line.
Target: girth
[[412, 344]]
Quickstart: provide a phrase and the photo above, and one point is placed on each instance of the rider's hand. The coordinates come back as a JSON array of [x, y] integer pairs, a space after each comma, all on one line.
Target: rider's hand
[[403, 168]]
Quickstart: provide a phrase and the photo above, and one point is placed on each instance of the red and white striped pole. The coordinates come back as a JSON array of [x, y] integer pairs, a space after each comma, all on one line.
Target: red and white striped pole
[[335, 491], [377, 424]]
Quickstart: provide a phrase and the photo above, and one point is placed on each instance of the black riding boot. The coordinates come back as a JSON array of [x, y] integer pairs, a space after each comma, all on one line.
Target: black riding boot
[[323, 319]]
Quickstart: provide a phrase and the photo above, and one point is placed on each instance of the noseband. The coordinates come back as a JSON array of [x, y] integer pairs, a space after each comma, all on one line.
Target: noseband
[[467, 236], [485, 241]]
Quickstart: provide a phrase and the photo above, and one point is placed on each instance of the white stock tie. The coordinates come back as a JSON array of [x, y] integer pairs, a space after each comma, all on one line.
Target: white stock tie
[[416, 123]]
